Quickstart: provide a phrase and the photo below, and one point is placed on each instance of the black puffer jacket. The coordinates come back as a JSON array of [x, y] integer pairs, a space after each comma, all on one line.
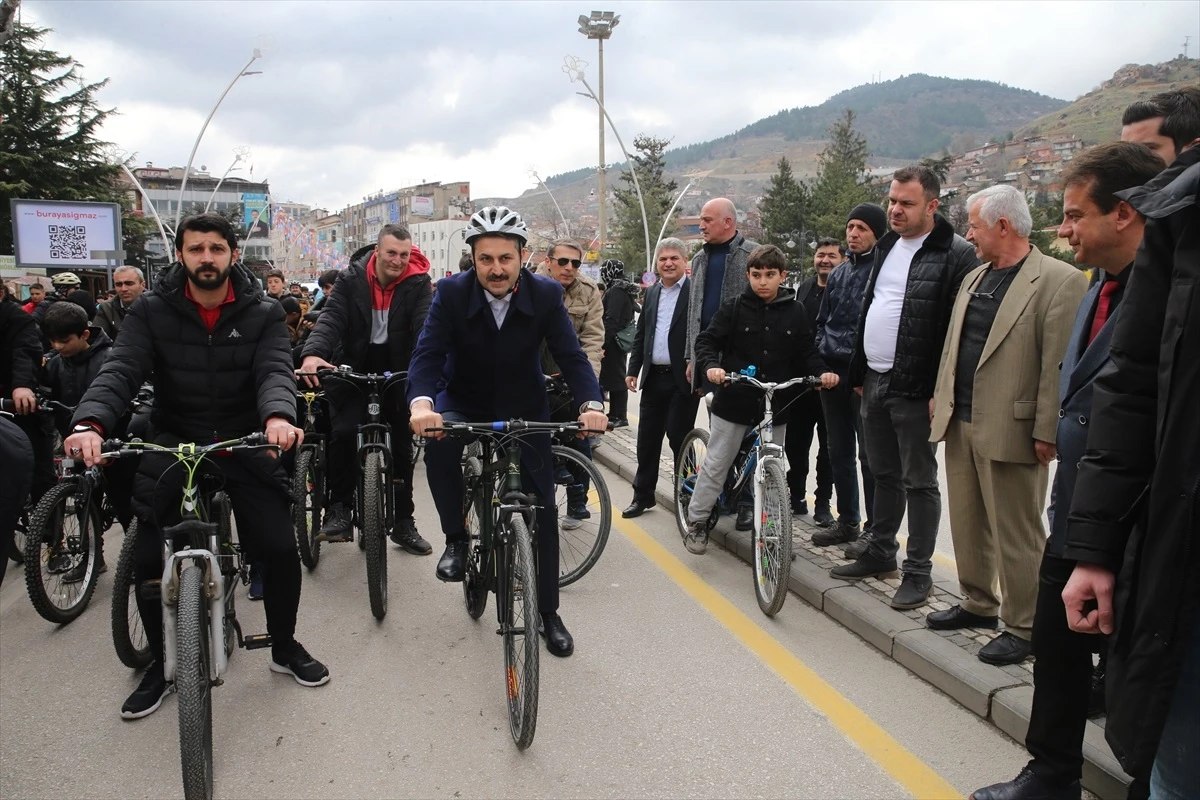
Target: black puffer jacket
[[837, 321], [20, 349], [620, 306], [933, 280], [69, 377], [774, 337], [345, 320], [207, 386]]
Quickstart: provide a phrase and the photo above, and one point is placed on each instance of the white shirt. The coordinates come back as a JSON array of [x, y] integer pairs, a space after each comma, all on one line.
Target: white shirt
[[883, 317], [500, 307], [668, 298]]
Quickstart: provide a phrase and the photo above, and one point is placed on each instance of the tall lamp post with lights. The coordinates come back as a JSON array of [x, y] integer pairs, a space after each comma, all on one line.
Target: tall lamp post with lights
[[599, 26]]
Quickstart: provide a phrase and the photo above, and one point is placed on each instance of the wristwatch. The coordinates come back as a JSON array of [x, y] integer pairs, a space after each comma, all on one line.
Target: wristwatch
[[83, 428], [591, 405]]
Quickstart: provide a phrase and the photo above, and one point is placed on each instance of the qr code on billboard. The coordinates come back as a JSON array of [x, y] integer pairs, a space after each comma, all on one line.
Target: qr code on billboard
[[68, 241]]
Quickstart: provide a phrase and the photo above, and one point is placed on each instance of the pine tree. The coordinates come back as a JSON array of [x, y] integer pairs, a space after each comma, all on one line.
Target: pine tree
[[49, 148], [659, 194], [940, 166], [784, 209], [840, 184]]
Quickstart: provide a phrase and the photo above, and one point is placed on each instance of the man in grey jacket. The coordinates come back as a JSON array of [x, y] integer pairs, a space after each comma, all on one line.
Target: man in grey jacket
[[718, 274]]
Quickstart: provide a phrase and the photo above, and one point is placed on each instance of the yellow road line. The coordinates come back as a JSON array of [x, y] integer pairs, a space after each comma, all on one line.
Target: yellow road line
[[917, 777]]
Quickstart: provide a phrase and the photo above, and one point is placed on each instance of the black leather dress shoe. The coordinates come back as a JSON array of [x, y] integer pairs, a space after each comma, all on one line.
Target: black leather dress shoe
[[745, 519], [1005, 649], [958, 617], [558, 638], [452, 565], [636, 509], [1028, 786]]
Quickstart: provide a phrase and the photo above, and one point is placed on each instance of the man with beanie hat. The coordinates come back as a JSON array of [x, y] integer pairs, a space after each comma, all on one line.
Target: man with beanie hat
[[837, 327]]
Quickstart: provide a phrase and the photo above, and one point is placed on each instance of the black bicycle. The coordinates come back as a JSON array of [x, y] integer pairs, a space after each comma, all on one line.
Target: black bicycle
[[502, 526], [309, 491], [374, 507]]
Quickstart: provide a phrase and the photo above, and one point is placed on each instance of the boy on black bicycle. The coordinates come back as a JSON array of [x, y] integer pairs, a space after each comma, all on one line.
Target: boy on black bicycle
[[765, 328]]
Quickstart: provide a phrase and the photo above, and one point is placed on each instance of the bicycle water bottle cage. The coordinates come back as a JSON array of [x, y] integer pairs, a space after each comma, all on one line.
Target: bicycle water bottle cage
[[749, 371], [191, 532]]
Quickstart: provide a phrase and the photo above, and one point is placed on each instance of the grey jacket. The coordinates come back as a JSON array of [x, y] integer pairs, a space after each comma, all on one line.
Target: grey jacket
[[733, 284]]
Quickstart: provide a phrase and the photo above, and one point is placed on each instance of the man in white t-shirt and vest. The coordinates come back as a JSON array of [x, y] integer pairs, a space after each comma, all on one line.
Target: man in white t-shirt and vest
[[906, 311]]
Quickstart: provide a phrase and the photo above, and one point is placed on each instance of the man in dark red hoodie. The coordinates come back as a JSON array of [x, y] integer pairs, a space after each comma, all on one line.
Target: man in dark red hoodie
[[371, 323]]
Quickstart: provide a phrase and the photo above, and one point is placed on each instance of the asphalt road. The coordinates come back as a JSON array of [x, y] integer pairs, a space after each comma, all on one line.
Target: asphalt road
[[679, 687]]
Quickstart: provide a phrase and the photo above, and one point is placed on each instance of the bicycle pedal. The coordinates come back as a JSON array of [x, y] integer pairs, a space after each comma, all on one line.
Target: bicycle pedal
[[257, 641]]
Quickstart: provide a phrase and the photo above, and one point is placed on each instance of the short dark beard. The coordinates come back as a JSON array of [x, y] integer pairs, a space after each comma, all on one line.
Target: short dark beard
[[208, 284]]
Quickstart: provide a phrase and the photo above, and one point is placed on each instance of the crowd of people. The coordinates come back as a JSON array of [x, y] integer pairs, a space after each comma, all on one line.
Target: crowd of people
[[1013, 359]]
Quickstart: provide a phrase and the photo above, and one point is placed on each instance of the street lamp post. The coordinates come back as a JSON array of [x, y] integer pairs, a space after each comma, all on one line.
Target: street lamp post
[[239, 155], [196, 146], [542, 183], [599, 27]]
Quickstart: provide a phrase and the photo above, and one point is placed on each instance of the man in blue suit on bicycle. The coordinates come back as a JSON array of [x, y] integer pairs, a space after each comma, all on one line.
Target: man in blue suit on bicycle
[[478, 360]]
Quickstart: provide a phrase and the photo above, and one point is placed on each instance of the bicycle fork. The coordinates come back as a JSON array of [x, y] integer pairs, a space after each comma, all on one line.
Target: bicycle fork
[[214, 593]]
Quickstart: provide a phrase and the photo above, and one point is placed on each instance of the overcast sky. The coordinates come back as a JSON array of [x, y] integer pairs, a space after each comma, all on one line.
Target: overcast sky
[[360, 96]]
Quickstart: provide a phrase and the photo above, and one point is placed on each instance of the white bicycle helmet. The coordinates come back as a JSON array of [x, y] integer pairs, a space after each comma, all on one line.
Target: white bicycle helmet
[[496, 219]]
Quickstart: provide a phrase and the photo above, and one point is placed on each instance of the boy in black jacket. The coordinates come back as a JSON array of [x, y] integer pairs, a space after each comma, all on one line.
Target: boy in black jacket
[[766, 328]]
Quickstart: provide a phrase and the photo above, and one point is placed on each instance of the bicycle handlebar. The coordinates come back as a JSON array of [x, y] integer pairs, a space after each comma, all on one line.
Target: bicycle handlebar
[[766, 386], [346, 374], [510, 426], [43, 406], [118, 448]]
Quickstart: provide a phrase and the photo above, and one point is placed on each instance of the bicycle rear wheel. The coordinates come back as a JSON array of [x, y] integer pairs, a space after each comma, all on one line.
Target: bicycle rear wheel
[[375, 488], [772, 541], [129, 637], [306, 507], [517, 602], [581, 537], [691, 457], [61, 558], [475, 590], [193, 686]]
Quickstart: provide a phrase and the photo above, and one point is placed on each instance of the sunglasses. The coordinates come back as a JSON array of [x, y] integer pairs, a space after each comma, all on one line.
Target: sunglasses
[[574, 262]]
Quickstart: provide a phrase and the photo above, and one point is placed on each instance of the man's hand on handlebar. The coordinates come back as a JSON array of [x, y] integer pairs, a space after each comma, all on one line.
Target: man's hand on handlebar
[[422, 417], [283, 434], [24, 401], [593, 422], [829, 380], [310, 365], [87, 445], [716, 375]]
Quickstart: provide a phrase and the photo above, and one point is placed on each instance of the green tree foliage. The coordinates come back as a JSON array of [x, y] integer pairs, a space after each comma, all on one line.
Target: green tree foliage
[[49, 148], [659, 193], [940, 166], [784, 209], [1047, 215], [841, 181]]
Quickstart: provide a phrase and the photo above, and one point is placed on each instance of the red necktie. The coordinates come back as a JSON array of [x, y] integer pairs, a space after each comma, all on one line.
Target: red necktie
[[1103, 304]]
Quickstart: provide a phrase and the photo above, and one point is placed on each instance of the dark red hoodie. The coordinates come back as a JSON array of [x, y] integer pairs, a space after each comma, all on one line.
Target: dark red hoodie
[[381, 296]]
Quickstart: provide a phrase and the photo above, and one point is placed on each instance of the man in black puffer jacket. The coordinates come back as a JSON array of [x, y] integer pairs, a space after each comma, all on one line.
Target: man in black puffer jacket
[[906, 311], [374, 316], [219, 353]]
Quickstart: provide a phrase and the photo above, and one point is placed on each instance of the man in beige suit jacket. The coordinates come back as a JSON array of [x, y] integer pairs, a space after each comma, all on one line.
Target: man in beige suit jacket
[[996, 408]]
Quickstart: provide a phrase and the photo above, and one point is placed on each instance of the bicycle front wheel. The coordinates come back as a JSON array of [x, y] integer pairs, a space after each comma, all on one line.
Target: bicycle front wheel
[[306, 507], [375, 488], [772, 544], [61, 554], [193, 686], [691, 456], [518, 606], [129, 637], [584, 513]]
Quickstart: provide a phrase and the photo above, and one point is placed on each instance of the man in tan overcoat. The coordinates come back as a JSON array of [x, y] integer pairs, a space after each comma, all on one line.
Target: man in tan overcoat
[[996, 408]]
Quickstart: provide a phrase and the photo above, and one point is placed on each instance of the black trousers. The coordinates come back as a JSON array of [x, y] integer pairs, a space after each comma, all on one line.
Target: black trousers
[[39, 429], [664, 410], [257, 485], [16, 454], [807, 416], [1062, 680], [348, 410]]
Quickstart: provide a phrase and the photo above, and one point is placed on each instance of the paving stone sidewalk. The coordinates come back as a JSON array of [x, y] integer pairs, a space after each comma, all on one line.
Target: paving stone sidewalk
[[946, 659]]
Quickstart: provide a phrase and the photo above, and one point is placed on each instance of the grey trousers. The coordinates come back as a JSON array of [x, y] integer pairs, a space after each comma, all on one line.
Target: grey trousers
[[724, 440], [904, 463]]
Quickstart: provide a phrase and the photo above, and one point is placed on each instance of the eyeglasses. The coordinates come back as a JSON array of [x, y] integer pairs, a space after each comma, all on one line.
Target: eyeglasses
[[987, 295], [574, 262], [120, 284]]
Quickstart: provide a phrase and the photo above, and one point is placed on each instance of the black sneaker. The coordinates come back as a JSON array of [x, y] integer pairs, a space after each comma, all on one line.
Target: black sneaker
[[75, 574], [800, 509], [338, 526], [839, 534], [300, 665], [576, 514], [745, 519], [822, 517], [405, 535], [149, 694]]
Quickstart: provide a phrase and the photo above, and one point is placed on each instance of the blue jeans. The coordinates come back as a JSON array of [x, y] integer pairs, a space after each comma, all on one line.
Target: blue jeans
[[1176, 773]]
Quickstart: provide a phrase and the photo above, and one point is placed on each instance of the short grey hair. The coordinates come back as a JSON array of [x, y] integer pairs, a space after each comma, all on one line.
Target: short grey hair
[[1003, 201], [138, 270], [671, 244]]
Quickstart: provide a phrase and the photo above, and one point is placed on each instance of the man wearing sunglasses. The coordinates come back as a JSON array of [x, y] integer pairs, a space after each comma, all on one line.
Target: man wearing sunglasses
[[129, 283]]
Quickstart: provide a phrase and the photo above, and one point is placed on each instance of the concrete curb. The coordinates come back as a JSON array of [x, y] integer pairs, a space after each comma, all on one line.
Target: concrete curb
[[990, 692]]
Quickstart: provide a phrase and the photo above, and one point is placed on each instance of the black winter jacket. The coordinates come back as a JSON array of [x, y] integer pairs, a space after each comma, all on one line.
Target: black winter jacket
[[837, 321], [207, 386], [345, 320], [1136, 506], [933, 280], [774, 337], [69, 377], [20, 349], [620, 306]]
